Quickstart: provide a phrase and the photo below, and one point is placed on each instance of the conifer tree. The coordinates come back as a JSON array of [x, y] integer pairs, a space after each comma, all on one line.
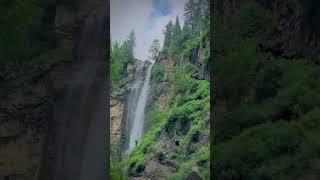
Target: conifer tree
[[132, 39], [168, 35], [154, 49], [177, 27]]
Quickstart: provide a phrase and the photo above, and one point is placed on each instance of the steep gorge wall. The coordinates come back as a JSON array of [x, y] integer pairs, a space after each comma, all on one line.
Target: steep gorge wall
[[172, 135], [281, 29], [26, 122], [265, 54], [119, 102], [294, 30]]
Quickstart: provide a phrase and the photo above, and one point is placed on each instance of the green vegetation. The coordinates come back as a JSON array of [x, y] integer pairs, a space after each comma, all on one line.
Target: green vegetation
[[267, 106], [184, 123], [159, 73], [280, 114], [28, 43], [121, 56], [24, 35], [192, 113]]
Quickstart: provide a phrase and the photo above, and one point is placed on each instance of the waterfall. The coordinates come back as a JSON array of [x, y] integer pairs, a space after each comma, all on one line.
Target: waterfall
[[133, 98], [137, 105], [79, 115]]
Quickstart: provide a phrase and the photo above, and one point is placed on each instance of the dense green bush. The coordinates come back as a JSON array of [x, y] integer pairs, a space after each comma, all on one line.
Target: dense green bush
[[115, 67], [117, 171], [236, 72], [254, 148], [269, 128], [159, 73], [263, 134], [252, 19]]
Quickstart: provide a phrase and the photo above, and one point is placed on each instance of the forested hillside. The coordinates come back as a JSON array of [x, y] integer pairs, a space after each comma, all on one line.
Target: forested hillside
[[175, 143], [266, 90]]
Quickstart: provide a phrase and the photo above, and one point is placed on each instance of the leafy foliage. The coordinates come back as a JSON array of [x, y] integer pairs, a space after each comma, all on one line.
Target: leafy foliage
[[195, 28], [266, 128], [159, 74], [121, 56], [154, 49]]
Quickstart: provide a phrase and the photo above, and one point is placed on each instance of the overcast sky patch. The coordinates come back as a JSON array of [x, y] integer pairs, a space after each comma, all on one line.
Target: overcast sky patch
[[148, 19]]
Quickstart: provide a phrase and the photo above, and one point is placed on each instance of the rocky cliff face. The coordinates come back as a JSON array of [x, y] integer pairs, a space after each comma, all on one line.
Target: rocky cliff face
[[120, 93], [23, 121], [293, 32], [161, 160], [79, 116], [280, 28], [26, 126]]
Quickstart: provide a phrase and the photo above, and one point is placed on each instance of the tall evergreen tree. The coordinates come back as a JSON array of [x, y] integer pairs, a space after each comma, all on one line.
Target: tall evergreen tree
[[168, 34], [127, 49], [154, 49], [189, 14], [197, 15], [177, 27], [132, 39], [115, 64]]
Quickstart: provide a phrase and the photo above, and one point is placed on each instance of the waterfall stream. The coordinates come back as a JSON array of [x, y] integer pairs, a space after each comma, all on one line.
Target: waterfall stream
[[79, 114], [137, 105]]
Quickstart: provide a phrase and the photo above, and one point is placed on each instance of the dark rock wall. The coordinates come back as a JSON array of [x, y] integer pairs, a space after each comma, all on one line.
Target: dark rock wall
[[294, 31], [79, 116], [48, 121]]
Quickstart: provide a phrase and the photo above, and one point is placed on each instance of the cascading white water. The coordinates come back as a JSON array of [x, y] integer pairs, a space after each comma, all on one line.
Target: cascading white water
[[133, 99], [136, 128]]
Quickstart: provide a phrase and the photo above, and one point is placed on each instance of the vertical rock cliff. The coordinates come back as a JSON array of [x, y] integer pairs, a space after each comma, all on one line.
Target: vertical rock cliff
[[54, 125], [124, 96]]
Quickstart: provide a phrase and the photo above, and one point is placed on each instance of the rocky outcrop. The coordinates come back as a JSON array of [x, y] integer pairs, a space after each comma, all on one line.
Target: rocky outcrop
[[155, 168], [158, 165], [162, 102], [116, 119], [24, 118], [193, 176], [293, 32], [164, 61], [198, 57]]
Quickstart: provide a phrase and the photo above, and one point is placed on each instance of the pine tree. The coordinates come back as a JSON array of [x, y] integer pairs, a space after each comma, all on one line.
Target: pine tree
[[154, 49], [132, 39], [197, 15], [127, 48], [176, 37], [168, 35], [115, 64], [189, 14], [177, 27]]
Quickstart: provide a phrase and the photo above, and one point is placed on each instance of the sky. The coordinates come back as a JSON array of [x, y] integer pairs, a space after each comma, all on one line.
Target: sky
[[147, 18]]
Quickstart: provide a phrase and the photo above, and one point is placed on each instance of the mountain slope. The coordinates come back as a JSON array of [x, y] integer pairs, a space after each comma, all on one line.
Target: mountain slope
[[266, 79]]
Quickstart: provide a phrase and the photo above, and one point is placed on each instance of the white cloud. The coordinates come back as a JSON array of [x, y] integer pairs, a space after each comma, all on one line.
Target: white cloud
[[134, 14]]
